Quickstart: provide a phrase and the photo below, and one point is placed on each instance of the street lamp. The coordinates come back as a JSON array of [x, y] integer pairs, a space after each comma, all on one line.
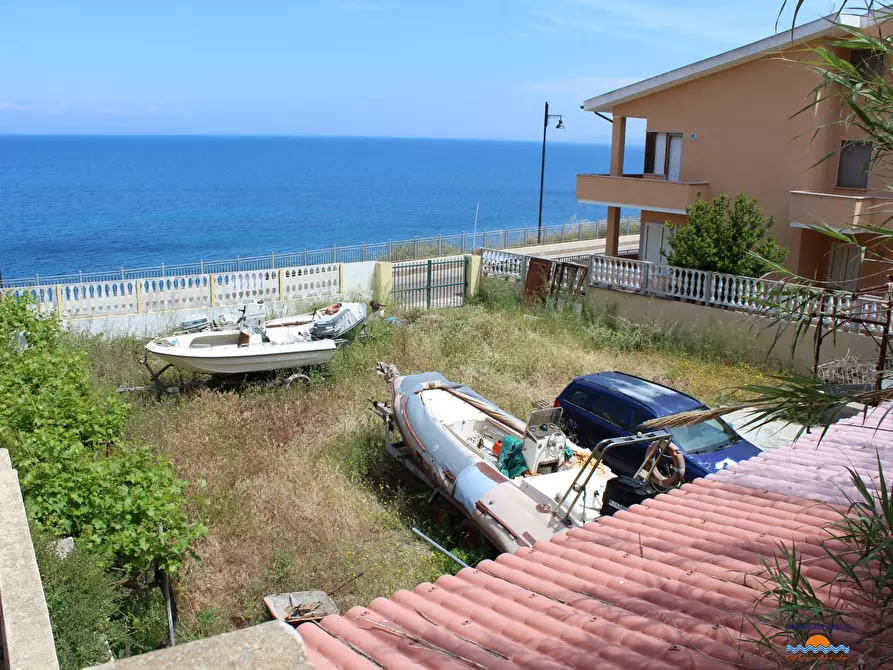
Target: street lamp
[[558, 126]]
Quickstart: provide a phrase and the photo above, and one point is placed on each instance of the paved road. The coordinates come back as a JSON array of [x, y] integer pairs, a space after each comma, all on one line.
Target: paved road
[[627, 243]]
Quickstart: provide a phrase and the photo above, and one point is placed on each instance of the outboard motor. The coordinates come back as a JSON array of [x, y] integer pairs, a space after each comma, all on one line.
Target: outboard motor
[[623, 492]]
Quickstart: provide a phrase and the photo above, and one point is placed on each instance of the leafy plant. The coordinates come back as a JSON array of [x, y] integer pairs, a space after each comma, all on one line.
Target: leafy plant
[[78, 475], [725, 236]]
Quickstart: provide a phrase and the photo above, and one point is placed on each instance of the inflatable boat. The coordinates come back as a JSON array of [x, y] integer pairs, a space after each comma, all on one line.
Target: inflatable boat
[[519, 482]]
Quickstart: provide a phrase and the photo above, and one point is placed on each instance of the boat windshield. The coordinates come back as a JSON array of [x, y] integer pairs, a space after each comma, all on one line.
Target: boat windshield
[[705, 436]]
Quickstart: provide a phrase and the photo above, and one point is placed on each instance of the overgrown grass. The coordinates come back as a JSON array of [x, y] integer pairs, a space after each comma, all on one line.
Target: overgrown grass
[[300, 493]]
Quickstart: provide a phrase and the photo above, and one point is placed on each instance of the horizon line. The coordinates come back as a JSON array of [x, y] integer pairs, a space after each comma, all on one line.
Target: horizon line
[[296, 136]]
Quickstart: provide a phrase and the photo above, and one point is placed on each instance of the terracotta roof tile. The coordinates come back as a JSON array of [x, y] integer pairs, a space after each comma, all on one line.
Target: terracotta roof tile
[[667, 584]]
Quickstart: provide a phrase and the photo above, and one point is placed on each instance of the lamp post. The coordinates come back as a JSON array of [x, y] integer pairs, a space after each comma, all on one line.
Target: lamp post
[[558, 126]]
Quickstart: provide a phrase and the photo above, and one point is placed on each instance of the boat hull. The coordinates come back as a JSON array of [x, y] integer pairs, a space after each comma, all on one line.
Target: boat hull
[[241, 360]]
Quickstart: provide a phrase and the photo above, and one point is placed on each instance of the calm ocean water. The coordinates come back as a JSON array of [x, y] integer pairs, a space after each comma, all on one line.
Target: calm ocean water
[[99, 203]]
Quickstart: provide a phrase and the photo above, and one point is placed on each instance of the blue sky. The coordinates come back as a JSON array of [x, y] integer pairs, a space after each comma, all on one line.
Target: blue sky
[[416, 68]]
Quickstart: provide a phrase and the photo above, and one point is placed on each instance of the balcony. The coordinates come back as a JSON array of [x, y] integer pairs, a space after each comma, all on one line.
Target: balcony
[[808, 209], [636, 191]]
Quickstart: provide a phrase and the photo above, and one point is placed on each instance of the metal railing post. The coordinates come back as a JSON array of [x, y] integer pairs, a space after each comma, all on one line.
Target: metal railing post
[[440, 245], [390, 251], [463, 243], [415, 248], [334, 253], [272, 260], [305, 257], [162, 269], [363, 251], [201, 267], [429, 282]]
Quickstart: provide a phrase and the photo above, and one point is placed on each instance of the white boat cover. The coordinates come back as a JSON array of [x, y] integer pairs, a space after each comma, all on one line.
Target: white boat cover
[[332, 326]]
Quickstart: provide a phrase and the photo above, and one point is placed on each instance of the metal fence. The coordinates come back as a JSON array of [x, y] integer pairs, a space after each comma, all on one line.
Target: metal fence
[[429, 284], [391, 251]]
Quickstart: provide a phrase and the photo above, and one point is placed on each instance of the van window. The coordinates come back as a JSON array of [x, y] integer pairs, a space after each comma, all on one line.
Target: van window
[[640, 416], [613, 410], [580, 398]]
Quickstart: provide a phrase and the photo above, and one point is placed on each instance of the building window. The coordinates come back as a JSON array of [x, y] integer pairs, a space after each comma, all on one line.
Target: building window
[[663, 154], [868, 63], [655, 153], [854, 165]]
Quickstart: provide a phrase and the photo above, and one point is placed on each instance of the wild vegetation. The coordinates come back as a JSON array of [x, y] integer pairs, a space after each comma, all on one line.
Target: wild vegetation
[[300, 493], [80, 477]]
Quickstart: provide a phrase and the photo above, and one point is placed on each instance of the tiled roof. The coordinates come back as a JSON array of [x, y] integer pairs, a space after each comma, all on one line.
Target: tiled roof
[[667, 584]]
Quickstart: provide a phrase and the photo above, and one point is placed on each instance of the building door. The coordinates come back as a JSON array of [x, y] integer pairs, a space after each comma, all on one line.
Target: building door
[[653, 242], [845, 265], [674, 160]]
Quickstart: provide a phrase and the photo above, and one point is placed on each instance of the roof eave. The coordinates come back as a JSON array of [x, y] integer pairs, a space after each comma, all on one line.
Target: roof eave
[[808, 31]]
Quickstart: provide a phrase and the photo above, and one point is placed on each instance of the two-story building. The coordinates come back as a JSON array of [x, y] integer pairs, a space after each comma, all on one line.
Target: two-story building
[[730, 124]]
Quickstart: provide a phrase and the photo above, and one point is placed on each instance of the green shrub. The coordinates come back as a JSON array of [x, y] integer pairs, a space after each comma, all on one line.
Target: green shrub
[[78, 475], [725, 236]]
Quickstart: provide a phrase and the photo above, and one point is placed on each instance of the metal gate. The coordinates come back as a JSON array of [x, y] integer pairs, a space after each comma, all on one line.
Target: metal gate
[[429, 284]]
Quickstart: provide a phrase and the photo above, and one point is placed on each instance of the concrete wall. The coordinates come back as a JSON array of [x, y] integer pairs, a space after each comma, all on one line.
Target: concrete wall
[[26, 637], [735, 328], [267, 645], [472, 275], [356, 284]]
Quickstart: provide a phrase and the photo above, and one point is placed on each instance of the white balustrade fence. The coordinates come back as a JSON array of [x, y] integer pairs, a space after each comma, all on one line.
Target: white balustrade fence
[[161, 294], [745, 294]]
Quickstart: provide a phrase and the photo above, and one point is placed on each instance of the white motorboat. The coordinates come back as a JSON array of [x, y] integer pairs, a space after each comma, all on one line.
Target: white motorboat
[[227, 352]]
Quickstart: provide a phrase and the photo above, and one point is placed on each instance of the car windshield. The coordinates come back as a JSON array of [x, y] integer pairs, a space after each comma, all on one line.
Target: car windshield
[[704, 436]]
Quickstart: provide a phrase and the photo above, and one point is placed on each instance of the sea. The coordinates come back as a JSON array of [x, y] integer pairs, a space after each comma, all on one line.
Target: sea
[[98, 203]]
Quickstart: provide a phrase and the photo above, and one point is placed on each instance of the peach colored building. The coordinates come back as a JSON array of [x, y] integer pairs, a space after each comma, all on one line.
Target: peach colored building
[[728, 124]]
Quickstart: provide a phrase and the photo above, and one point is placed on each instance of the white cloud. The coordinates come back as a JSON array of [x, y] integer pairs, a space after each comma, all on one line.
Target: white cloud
[[6, 106]]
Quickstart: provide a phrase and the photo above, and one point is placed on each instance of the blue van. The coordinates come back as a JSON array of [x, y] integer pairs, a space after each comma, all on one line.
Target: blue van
[[614, 404]]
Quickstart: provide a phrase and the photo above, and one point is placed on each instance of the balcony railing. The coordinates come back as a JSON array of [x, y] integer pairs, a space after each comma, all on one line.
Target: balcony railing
[[640, 191]]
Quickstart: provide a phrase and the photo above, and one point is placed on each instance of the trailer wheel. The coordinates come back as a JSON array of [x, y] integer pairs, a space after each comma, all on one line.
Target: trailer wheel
[[291, 379], [443, 514], [469, 536]]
